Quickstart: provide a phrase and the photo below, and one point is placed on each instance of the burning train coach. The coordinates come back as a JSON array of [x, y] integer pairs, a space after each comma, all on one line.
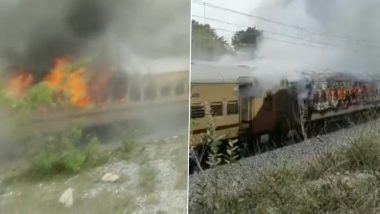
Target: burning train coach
[[80, 94], [340, 91], [241, 109]]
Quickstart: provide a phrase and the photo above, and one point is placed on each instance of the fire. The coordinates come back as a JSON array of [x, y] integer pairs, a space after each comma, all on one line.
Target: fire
[[79, 88], [19, 84], [99, 83], [68, 82], [57, 74]]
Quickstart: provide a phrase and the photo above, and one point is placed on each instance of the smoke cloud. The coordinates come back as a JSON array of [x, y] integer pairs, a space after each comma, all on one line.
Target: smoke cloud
[[34, 33], [132, 34], [335, 35]]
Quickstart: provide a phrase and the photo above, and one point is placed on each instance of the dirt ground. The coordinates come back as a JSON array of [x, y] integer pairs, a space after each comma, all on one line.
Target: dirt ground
[[152, 181]]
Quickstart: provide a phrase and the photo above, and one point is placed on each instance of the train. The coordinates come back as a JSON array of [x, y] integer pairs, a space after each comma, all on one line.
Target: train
[[242, 109], [151, 96]]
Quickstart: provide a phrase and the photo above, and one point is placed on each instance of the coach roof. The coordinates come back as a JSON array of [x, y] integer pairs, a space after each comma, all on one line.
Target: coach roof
[[210, 72]]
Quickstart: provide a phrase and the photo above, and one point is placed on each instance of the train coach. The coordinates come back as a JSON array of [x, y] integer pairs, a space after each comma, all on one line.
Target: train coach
[[242, 110], [151, 96], [217, 86]]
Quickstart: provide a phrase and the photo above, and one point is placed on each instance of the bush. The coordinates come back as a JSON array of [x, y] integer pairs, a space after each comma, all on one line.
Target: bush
[[39, 95], [67, 152]]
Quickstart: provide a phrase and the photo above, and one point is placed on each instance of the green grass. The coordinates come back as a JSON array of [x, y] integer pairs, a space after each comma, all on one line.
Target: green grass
[[68, 152], [346, 181]]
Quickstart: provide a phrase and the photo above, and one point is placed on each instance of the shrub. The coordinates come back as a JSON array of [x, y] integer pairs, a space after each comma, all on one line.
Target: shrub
[[66, 152], [39, 95], [212, 141], [231, 152]]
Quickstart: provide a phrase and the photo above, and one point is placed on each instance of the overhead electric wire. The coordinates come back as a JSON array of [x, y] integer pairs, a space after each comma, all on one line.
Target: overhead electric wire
[[281, 34], [309, 44], [265, 31], [273, 33], [274, 39], [299, 28]]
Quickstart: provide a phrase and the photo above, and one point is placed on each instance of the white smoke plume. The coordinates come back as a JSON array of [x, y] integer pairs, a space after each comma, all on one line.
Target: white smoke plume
[[335, 35]]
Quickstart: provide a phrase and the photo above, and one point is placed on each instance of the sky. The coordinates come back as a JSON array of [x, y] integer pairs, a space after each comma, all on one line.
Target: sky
[[320, 34], [245, 6]]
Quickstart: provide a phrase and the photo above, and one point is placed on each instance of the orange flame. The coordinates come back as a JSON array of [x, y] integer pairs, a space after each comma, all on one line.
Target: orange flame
[[98, 87], [18, 84], [71, 83], [57, 75], [81, 91], [77, 89]]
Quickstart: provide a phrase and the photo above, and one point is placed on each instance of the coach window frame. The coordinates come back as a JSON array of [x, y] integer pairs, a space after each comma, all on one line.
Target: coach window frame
[[202, 108], [219, 104], [232, 102]]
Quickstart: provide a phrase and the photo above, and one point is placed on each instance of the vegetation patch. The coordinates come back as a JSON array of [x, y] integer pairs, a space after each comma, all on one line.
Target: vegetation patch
[[71, 152], [215, 151], [346, 181], [131, 150]]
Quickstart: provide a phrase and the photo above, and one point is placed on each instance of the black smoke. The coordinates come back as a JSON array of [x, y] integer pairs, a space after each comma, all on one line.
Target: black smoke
[[34, 40], [87, 18], [35, 32]]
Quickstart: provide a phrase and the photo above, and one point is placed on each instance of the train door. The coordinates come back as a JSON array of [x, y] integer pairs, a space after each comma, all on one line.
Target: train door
[[245, 94]]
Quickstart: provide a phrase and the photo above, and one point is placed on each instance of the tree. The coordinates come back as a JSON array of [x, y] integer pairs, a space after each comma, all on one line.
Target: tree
[[206, 44], [248, 38]]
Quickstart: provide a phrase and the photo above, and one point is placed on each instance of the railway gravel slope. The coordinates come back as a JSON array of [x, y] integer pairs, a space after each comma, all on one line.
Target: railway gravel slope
[[151, 181], [229, 180]]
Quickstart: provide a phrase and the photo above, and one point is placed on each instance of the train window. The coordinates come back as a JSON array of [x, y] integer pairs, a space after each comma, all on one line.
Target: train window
[[150, 92], [216, 108], [180, 89], [165, 91], [232, 107], [197, 111], [135, 93]]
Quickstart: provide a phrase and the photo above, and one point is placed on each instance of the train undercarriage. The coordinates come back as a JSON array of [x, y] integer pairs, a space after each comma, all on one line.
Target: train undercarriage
[[250, 145]]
